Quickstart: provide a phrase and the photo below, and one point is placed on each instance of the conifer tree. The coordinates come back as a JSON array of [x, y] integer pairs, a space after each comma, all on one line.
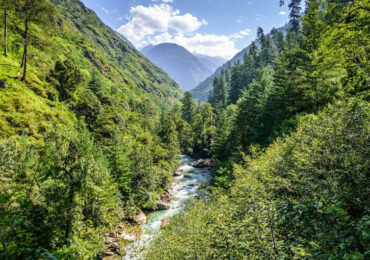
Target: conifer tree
[[95, 83], [188, 107], [295, 15], [219, 90]]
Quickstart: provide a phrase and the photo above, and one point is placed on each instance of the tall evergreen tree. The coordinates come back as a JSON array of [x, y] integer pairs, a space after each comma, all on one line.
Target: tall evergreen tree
[[237, 83], [95, 83], [219, 90], [295, 15], [188, 107]]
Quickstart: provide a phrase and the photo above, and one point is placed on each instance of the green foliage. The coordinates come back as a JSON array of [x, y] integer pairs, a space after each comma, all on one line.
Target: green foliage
[[77, 158], [66, 77], [187, 107], [291, 151], [50, 192], [306, 196]]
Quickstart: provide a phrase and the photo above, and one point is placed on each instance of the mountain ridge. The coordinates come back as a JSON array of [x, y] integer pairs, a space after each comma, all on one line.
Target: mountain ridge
[[186, 68], [203, 89]]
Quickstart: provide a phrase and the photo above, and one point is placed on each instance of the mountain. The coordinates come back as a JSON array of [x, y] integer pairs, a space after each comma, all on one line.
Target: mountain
[[202, 90], [213, 63], [187, 69], [125, 40], [79, 139]]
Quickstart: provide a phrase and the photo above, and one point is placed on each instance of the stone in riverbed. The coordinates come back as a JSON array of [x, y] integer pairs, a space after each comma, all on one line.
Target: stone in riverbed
[[162, 205], [177, 173], [202, 163], [140, 218], [109, 253], [3, 84], [188, 176]]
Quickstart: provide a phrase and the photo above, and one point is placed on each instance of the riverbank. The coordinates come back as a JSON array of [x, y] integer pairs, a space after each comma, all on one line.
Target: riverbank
[[188, 179]]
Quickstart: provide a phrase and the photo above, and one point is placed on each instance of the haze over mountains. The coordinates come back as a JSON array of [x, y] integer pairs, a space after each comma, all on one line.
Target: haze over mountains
[[186, 68]]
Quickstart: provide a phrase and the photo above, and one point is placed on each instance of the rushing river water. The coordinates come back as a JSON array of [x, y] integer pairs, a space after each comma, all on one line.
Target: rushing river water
[[183, 189]]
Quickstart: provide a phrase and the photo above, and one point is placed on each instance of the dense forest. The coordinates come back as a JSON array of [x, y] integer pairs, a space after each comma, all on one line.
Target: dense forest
[[91, 131], [288, 130], [83, 143]]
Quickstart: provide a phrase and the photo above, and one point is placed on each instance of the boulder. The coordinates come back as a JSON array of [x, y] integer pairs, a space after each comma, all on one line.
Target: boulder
[[3, 84], [115, 245], [109, 253], [188, 176], [162, 205], [112, 234], [140, 218], [177, 173], [202, 163], [121, 226], [167, 196]]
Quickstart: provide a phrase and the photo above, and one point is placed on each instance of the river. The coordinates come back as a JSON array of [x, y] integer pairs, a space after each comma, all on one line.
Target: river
[[184, 189]]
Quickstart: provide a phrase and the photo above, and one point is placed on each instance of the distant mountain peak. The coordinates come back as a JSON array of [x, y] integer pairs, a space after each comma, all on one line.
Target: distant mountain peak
[[186, 68]]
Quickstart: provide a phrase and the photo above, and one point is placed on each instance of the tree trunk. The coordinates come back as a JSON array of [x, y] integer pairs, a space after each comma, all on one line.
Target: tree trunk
[[5, 32], [25, 52]]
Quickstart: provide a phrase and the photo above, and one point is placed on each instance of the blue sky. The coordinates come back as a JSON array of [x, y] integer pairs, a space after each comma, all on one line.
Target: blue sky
[[210, 27]]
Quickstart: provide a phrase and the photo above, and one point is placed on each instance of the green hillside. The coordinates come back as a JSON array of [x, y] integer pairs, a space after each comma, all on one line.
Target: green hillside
[[80, 138]]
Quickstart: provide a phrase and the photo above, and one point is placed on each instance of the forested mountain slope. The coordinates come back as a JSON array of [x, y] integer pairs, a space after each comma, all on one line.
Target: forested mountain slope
[[187, 69], [82, 145], [288, 130], [202, 91]]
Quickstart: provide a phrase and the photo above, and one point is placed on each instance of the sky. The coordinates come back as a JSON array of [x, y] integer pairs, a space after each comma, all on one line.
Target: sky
[[210, 27]]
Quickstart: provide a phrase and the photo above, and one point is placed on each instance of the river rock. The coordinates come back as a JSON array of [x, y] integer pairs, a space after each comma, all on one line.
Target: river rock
[[177, 173], [109, 253], [113, 234], [202, 163], [188, 176], [121, 226], [162, 205], [3, 84], [167, 196], [115, 245], [140, 218]]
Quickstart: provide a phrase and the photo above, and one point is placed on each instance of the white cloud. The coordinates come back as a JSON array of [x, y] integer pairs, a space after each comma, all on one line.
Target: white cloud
[[207, 44], [164, 1], [245, 32], [105, 10], [282, 13], [146, 21], [159, 23]]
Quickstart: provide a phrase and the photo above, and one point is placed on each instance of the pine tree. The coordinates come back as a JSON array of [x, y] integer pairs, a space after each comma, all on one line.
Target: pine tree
[[236, 83], [188, 107], [295, 15], [95, 83], [219, 90]]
